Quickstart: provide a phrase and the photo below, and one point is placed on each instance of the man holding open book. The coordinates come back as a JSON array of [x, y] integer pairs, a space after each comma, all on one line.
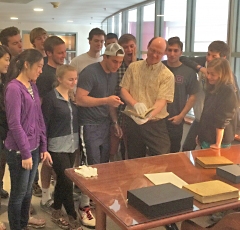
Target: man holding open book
[[148, 84]]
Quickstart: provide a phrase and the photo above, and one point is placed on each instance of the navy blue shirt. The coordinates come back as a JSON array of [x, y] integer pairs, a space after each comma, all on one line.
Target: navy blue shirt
[[99, 84]]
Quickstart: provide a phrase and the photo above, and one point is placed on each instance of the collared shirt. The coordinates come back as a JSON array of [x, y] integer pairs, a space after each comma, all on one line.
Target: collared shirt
[[148, 83], [61, 121]]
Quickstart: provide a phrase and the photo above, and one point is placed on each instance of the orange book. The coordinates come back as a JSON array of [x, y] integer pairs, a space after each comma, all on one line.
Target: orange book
[[213, 161], [212, 191]]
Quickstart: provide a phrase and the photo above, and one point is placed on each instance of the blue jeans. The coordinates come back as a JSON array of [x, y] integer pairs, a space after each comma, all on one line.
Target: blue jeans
[[21, 189], [97, 139]]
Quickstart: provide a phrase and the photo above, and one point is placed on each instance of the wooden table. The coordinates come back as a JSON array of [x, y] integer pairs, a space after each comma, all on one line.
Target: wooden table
[[109, 189]]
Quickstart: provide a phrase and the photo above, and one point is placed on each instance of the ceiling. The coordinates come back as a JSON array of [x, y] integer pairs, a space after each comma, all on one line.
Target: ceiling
[[79, 11]]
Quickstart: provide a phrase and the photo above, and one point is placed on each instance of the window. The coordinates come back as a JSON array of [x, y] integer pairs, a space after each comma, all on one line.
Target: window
[[132, 22], [175, 19], [211, 23], [147, 26]]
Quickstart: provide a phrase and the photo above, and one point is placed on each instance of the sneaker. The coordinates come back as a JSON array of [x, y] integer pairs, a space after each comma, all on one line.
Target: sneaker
[[37, 191], [92, 204], [87, 217], [75, 196], [47, 207], [36, 222]]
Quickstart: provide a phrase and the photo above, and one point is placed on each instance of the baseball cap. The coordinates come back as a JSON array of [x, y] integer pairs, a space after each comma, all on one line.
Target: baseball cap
[[114, 49]]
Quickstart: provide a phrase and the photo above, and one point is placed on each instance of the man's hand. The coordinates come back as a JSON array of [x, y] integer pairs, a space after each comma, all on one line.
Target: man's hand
[[134, 54], [114, 101], [204, 71], [46, 159], [117, 131], [176, 120], [140, 108], [27, 163], [140, 121]]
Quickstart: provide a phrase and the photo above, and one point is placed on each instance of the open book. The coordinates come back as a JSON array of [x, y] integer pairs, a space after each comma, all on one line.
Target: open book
[[134, 113]]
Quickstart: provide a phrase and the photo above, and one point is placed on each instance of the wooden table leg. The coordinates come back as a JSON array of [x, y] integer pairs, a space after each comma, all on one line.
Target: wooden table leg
[[100, 219]]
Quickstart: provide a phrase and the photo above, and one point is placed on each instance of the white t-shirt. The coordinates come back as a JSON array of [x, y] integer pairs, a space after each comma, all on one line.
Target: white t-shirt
[[83, 60]]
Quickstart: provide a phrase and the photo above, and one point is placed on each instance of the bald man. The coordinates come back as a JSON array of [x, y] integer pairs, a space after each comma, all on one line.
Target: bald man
[[148, 84]]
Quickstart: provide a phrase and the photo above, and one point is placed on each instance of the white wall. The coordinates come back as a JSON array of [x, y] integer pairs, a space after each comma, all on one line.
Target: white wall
[[81, 30]]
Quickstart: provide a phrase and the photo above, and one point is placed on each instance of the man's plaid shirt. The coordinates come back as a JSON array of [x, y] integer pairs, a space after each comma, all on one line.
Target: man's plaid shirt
[[122, 69]]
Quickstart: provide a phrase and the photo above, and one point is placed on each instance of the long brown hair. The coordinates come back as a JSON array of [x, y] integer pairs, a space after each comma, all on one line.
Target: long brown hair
[[223, 69]]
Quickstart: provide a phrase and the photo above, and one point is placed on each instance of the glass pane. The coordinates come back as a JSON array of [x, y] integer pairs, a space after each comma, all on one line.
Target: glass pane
[[109, 25], [132, 22], [120, 25], [147, 26], [175, 19], [104, 26], [211, 23]]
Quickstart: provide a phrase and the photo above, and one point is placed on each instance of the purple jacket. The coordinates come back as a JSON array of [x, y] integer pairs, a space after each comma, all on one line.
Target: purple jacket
[[26, 126]]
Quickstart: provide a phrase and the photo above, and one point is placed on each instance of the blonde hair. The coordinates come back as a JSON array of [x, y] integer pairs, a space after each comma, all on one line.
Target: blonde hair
[[223, 69], [36, 32], [61, 71]]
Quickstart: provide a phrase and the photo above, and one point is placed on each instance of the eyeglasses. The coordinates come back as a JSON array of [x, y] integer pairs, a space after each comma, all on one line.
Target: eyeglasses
[[154, 51]]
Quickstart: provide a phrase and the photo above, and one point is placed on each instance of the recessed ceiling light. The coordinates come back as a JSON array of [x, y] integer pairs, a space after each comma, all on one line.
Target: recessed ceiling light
[[38, 9], [69, 21], [14, 18], [160, 15]]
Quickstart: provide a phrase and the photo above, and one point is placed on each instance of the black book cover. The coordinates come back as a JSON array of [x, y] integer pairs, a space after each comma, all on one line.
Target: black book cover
[[229, 172], [160, 200]]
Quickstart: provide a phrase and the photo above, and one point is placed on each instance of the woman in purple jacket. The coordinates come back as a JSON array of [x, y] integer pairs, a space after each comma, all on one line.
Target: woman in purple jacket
[[26, 137]]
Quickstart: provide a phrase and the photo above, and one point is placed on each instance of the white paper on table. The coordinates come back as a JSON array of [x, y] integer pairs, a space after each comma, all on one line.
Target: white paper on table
[[165, 177]]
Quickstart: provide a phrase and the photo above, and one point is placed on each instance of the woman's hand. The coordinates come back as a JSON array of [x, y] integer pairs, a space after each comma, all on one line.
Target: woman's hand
[[46, 158], [27, 163], [215, 146]]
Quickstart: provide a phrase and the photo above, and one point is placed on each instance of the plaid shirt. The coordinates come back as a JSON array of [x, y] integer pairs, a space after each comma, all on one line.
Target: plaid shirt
[[122, 69]]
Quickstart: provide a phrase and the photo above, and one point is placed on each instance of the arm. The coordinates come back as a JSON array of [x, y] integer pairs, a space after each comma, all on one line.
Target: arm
[[83, 99], [113, 114], [219, 137], [193, 62], [127, 97], [178, 118], [159, 105]]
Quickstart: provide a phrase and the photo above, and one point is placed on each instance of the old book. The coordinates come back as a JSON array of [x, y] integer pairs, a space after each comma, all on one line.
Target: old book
[[229, 172], [134, 113], [212, 191], [160, 200], [165, 177], [213, 161]]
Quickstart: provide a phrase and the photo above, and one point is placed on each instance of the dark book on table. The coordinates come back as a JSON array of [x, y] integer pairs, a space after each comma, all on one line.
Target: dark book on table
[[229, 172], [160, 200]]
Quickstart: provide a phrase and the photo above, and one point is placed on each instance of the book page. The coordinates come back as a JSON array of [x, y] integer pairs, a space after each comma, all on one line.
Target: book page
[[166, 177], [134, 113]]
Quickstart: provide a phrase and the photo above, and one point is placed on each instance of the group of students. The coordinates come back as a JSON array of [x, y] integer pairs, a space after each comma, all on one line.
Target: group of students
[[48, 129]]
